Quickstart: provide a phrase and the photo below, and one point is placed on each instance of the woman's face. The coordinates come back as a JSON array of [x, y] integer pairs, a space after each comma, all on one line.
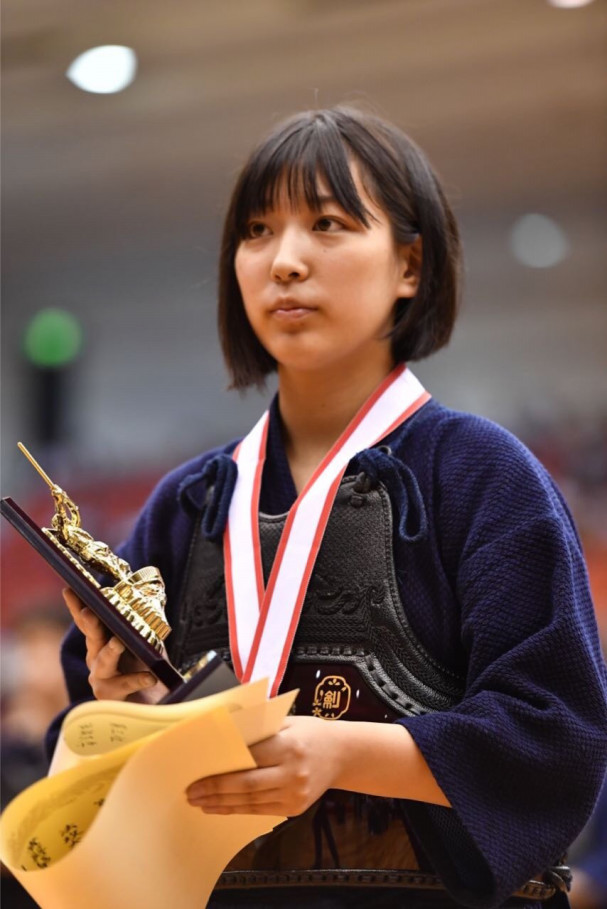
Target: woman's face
[[319, 288]]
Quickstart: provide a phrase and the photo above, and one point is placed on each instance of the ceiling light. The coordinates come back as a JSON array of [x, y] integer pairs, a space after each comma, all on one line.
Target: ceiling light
[[538, 241], [104, 70], [568, 4]]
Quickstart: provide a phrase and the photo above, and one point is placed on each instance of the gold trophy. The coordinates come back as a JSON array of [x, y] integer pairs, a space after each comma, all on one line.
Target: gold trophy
[[131, 606]]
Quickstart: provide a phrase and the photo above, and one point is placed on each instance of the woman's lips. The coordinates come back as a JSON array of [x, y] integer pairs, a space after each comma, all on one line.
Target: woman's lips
[[291, 311], [292, 314]]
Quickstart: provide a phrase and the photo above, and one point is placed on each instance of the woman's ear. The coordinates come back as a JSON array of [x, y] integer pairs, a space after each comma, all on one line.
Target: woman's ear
[[411, 268]]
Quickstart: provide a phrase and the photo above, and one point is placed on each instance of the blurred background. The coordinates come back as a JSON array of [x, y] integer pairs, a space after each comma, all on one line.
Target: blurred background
[[117, 169]]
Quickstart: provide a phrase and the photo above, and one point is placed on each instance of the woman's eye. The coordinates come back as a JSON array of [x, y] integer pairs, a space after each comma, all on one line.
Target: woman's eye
[[256, 229], [327, 224]]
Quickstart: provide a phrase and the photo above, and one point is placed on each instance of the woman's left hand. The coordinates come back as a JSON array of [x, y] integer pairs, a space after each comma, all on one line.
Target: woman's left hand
[[293, 770]]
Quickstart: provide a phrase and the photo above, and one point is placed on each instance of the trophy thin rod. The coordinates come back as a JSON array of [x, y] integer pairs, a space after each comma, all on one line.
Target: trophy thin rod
[[36, 465]]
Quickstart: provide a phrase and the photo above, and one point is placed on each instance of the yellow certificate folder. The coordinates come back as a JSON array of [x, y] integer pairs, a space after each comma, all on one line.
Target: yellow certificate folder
[[110, 826]]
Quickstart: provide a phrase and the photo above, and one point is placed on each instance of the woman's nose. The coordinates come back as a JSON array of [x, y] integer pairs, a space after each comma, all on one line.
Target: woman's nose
[[291, 261]]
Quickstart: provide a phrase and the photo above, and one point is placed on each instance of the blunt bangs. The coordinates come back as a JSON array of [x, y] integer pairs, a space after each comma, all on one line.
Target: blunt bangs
[[291, 162]]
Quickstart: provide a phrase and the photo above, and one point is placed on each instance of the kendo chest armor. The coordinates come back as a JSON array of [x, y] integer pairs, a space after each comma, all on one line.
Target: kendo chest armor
[[352, 622]]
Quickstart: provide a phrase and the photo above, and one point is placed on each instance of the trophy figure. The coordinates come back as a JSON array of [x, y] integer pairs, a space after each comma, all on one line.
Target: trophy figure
[[131, 605], [138, 595]]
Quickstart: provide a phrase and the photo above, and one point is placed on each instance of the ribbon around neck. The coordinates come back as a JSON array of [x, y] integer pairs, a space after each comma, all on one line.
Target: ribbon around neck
[[263, 619]]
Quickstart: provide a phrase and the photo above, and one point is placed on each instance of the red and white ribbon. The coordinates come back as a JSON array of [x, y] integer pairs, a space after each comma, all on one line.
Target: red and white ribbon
[[263, 620]]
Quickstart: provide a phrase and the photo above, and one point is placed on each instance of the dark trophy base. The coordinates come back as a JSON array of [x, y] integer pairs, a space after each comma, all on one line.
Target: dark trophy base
[[213, 676]]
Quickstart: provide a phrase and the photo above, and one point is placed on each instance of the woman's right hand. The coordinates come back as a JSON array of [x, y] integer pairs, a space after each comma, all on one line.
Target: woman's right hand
[[114, 673]]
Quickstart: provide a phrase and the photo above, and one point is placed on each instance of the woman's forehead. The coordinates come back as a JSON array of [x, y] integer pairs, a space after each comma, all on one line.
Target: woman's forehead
[[287, 193], [298, 187]]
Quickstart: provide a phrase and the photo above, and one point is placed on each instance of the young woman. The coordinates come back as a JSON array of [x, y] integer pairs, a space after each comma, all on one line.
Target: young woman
[[413, 570]]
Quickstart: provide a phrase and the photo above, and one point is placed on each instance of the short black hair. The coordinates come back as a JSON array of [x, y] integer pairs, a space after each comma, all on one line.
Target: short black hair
[[397, 176]]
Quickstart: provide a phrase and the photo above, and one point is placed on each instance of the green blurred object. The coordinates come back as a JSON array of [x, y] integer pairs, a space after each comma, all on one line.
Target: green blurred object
[[53, 338]]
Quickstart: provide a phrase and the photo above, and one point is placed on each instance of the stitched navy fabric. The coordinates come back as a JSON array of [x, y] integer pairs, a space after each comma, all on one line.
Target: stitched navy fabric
[[492, 578]]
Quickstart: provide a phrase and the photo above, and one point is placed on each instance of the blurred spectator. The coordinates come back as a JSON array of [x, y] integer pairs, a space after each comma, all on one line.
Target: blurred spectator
[[574, 450], [33, 692]]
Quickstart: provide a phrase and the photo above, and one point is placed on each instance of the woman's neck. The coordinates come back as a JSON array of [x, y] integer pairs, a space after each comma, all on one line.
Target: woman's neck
[[315, 410]]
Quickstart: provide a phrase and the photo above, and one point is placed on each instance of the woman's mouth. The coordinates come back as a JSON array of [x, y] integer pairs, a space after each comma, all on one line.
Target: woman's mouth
[[291, 310]]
